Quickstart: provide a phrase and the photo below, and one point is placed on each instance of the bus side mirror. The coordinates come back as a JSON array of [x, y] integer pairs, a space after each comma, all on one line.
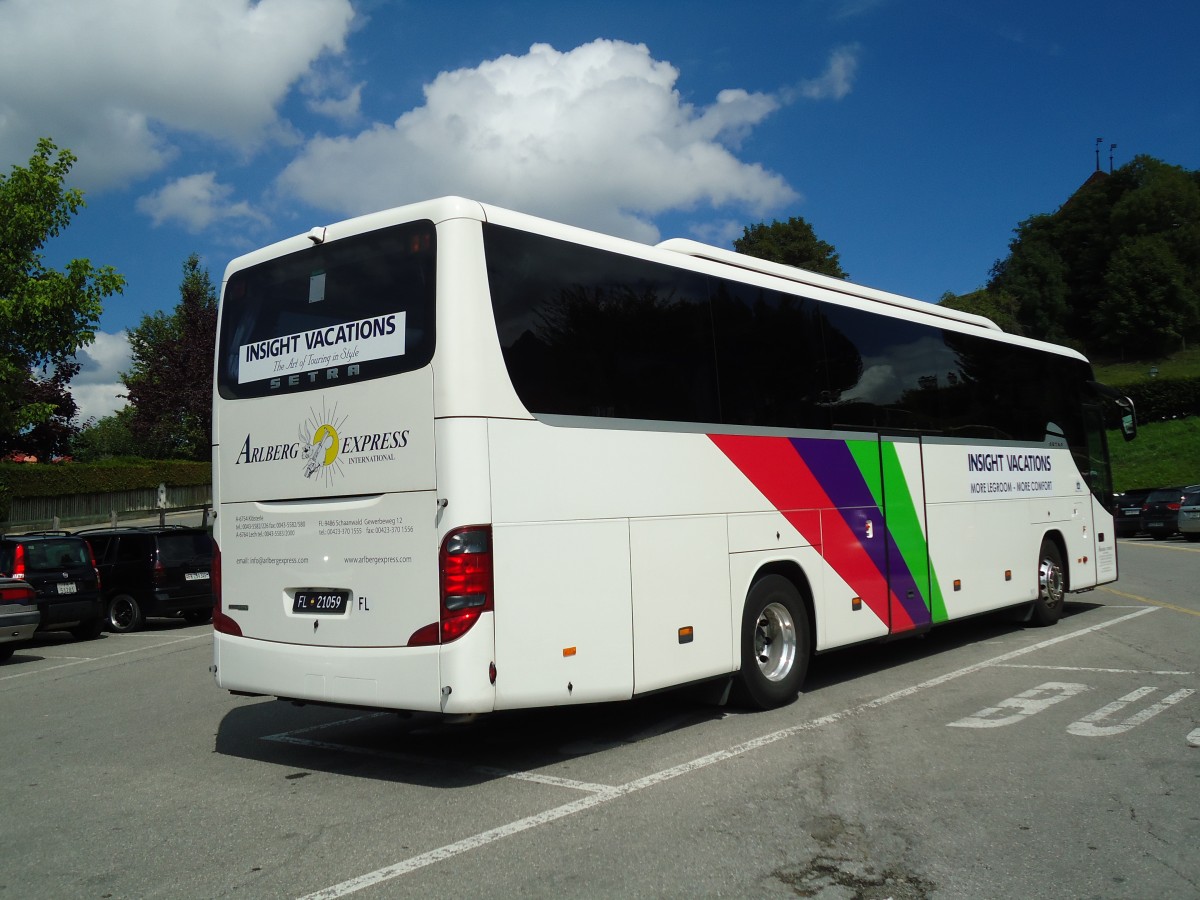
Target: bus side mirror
[[1129, 426], [1125, 404]]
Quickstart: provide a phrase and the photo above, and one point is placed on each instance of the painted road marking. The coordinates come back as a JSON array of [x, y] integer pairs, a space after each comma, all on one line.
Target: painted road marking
[[291, 737], [1029, 703], [77, 660], [591, 801], [1170, 606], [1042, 697], [1093, 669], [1086, 726]]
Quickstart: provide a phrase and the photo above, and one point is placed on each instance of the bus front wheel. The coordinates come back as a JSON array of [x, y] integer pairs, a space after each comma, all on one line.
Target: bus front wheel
[[1048, 607], [775, 644]]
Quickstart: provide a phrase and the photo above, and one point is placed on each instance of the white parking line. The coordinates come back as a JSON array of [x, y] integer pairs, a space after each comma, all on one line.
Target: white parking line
[[1091, 669], [76, 660], [490, 836], [412, 759]]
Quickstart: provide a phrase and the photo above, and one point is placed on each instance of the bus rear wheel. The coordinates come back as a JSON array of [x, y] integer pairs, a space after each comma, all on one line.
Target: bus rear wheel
[[775, 644], [1052, 583]]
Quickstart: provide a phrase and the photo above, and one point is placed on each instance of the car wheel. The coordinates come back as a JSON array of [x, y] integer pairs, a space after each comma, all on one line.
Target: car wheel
[[197, 616], [775, 644], [6, 652], [1048, 607], [124, 614], [89, 631]]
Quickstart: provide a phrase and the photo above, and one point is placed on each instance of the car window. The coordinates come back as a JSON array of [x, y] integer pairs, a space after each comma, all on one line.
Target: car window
[[174, 549], [99, 544], [132, 548], [1170, 495], [55, 554]]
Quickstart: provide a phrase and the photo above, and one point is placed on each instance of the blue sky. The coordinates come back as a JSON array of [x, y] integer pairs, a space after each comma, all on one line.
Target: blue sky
[[913, 136]]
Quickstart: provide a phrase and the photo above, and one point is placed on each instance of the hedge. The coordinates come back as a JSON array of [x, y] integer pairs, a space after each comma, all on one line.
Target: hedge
[[64, 479], [1164, 398]]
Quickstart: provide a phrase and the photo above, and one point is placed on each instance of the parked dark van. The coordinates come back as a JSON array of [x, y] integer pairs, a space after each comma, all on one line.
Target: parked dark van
[[1128, 513], [153, 571], [60, 568]]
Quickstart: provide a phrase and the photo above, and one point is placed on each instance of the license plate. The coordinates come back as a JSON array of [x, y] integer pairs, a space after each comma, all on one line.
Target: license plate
[[1133, 512], [195, 576], [321, 601], [66, 587]]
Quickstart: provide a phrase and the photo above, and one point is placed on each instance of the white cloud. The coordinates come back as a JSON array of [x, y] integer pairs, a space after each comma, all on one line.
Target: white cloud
[[597, 136], [838, 78], [196, 202], [116, 81], [98, 383], [718, 232]]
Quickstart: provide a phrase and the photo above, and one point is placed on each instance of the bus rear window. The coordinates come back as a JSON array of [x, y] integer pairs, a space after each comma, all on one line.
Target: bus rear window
[[347, 311]]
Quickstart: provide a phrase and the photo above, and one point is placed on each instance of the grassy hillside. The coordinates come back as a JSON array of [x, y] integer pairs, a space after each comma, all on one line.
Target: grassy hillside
[[1184, 364], [1164, 453]]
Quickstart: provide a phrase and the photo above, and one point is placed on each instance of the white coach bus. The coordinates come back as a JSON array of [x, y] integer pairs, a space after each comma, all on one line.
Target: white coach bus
[[469, 460]]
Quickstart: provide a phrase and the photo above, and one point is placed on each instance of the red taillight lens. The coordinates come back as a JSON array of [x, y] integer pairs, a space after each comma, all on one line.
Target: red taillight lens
[[19, 562], [95, 568], [160, 573], [17, 593], [221, 622], [1173, 506], [465, 563]]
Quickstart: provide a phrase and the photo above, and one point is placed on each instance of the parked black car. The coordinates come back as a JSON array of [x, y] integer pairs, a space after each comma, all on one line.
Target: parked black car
[[154, 571], [1128, 514], [1160, 513], [59, 567]]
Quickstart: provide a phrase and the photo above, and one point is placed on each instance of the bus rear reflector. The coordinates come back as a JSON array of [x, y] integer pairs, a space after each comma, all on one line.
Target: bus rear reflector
[[221, 622], [465, 567]]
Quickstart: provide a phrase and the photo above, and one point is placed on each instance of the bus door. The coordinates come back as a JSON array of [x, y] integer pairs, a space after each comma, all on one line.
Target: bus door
[[892, 468]]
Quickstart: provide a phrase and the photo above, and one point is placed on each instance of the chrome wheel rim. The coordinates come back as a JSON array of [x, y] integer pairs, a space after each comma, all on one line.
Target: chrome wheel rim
[[1050, 582], [121, 613], [775, 642]]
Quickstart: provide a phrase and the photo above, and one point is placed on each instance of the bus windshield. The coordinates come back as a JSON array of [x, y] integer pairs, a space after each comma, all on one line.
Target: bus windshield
[[355, 309]]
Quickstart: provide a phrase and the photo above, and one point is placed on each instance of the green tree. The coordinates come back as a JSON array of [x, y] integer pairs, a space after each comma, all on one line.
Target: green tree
[[170, 384], [46, 315], [1152, 300], [1115, 269], [106, 438], [999, 306], [793, 243]]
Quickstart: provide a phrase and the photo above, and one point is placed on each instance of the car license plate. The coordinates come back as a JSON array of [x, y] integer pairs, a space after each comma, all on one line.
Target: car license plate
[[329, 602], [1133, 512], [66, 587], [195, 576]]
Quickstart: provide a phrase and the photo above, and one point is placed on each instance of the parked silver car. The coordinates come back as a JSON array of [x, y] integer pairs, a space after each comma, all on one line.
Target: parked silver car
[[1189, 514], [19, 616]]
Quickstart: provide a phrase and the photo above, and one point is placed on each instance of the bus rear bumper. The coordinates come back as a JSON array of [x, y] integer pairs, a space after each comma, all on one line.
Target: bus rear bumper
[[401, 678]]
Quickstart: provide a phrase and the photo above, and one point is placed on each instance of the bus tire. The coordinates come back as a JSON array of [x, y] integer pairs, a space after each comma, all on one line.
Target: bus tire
[[1052, 585], [775, 644]]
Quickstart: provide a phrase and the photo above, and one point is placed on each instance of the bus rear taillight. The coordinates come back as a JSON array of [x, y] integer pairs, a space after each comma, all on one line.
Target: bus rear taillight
[[221, 622], [465, 566]]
